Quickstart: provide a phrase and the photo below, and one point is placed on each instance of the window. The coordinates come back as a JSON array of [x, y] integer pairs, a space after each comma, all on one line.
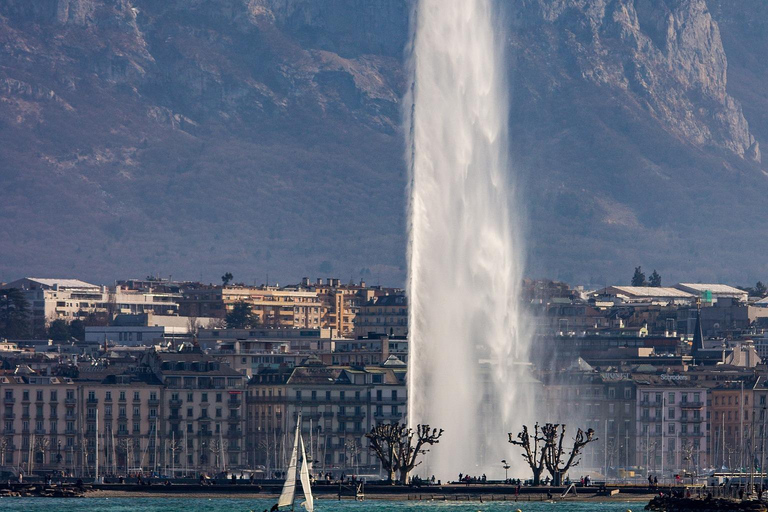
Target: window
[[91, 395], [671, 397], [671, 428], [218, 397], [108, 396], [153, 395], [218, 412], [190, 397], [25, 395], [122, 395], [189, 412], [136, 396], [671, 413], [137, 411], [39, 395]]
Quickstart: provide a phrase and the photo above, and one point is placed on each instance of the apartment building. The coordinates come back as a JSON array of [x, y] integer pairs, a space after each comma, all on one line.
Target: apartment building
[[41, 425], [202, 408], [386, 314], [338, 406], [671, 424], [732, 421], [272, 307]]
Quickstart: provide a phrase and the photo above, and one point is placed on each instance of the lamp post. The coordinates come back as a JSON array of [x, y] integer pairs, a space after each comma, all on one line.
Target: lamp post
[[506, 466]]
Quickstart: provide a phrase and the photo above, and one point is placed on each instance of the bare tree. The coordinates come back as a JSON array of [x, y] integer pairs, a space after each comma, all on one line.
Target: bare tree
[[556, 457], [533, 450], [384, 440], [412, 447], [399, 447]]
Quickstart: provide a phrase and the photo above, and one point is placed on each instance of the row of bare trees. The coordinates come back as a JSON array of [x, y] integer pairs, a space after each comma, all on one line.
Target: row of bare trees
[[547, 449], [399, 447]]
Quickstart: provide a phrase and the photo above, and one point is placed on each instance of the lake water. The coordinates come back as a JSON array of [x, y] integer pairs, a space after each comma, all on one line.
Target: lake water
[[258, 505]]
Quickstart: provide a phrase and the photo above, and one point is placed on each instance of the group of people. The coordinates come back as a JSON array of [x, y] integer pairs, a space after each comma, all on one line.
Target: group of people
[[466, 479]]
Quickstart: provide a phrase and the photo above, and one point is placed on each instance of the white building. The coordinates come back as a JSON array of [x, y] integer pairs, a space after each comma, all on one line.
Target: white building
[[671, 425], [713, 291], [61, 299]]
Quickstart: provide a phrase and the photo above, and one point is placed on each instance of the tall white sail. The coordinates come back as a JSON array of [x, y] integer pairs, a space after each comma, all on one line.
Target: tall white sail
[[289, 487], [309, 504]]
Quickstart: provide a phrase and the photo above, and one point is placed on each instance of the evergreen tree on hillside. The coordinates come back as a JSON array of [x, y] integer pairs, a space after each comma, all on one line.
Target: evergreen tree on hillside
[[639, 278], [14, 314], [760, 289], [655, 279]]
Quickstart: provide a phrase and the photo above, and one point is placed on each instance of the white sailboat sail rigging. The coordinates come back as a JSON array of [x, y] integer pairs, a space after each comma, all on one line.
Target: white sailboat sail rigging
[[288, 495], [289, 487], [309, 502]]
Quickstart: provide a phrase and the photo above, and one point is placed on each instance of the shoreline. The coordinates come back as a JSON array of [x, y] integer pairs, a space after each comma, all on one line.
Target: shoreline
[[425, 496]]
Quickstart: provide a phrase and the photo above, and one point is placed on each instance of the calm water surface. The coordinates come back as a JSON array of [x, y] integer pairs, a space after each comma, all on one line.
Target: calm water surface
[[246, 505]]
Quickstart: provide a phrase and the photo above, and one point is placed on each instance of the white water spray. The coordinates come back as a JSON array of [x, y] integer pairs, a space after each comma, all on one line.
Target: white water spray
[[465, 252]]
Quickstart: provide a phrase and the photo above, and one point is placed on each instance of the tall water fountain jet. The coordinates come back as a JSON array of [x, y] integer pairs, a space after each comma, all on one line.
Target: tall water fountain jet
[[465, 247]]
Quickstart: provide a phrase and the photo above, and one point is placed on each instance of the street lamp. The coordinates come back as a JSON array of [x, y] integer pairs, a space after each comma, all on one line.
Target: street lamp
[[506, 469]]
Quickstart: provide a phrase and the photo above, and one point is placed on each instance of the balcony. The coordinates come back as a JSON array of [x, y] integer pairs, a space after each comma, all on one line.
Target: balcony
[[9, 400], [70, 402], [691, 405], [153, 402], [234, 403], [175, 402]]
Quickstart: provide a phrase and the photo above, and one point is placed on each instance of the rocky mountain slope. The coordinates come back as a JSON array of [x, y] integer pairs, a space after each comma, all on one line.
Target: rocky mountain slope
[[263, 137]]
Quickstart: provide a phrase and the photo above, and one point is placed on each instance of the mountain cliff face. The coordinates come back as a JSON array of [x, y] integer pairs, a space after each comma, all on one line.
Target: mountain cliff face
[[263, 137]]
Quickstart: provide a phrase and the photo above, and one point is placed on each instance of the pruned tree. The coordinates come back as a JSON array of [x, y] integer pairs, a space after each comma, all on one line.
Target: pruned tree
[[399, 447], [557, 459], [384, 441], [533, 450], [413, 446]]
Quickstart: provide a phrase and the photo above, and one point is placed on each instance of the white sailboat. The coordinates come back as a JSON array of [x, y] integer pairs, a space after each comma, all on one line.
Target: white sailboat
[[288, 495]]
